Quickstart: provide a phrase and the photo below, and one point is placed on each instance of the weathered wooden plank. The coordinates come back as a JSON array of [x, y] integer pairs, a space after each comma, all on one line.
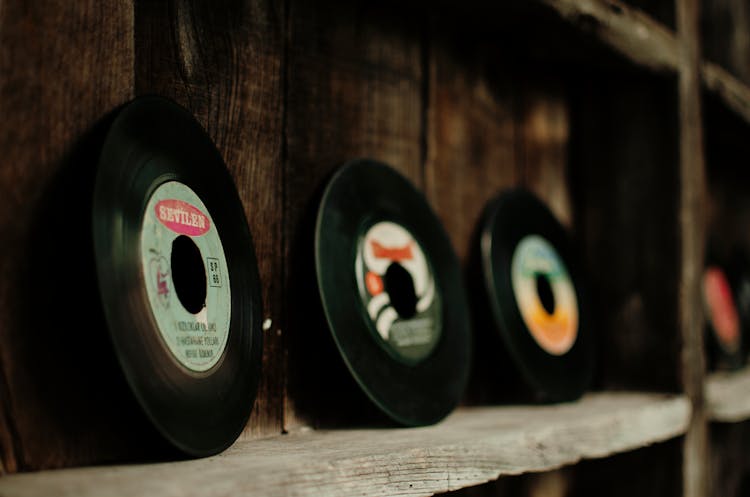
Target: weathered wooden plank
[[63, 67], [472, 446], [649, 44], [624, 160], [354, 89], [652, 470], [543, 138], [692, 228], [629, 31], [470, 131], [226, 65], [731, 91], [553, 483]]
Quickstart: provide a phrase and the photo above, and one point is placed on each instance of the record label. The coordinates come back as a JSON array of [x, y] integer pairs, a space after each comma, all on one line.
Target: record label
[[721, 309], [185, 270], [397, 288], [545, 294]]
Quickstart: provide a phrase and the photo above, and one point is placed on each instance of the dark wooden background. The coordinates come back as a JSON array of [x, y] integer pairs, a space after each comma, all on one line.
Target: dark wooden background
[[464, 101]]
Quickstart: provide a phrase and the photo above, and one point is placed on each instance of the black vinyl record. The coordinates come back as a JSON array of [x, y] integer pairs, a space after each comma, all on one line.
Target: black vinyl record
[[392, 293], [725, 288], [739, 280], [535, 297], [177, 275]]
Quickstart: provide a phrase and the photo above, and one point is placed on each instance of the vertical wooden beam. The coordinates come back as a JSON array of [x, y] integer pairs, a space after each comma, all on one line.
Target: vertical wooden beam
[[692, 238]]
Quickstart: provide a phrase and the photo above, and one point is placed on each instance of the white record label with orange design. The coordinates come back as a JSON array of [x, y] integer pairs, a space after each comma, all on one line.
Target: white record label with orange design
[[398, 290], [545, 295]]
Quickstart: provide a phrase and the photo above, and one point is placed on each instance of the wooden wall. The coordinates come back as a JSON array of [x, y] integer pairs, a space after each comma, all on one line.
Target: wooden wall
[[288, 91]]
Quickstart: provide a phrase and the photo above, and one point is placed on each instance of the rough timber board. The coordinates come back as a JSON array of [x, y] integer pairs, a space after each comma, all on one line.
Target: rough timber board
[[728, 396], [472, 446], [647, 43], [629, 31], [733, 92]]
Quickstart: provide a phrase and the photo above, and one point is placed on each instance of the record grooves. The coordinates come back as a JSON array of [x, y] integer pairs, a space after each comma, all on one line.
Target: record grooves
[[392, 293], [177, 275], [535, 298]]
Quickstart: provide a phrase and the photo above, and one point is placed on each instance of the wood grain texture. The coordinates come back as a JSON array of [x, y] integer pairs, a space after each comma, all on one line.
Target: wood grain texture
[[629, 31], [692, 228], [471, 130], [727, 397], [553, 483], [289, 91], [225, 63], [354, 90], [63, 68], [543, 138], [472, 446], [731, 91], [624, 160]]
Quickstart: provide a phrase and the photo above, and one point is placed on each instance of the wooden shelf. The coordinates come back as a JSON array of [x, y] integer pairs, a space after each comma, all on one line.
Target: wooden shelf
[[647, 43], [629, 31], [734, 93], [472, 446], [728, 396]]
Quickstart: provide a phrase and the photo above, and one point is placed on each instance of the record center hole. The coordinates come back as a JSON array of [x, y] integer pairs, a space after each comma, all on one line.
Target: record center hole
[[188, 274], [400, 286], [544, 290]]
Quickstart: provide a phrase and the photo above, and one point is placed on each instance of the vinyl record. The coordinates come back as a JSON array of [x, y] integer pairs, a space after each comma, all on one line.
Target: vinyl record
[[723, 326], [535, 297], [738, 273], [725, 287], [392, 293], [177, 275]]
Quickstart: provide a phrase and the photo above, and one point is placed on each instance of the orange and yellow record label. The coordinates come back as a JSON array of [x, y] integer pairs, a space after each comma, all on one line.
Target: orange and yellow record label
[[545, 295]]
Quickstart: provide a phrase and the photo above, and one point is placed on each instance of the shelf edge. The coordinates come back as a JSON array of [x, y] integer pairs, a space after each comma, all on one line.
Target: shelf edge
[[733, 92], [473, 446], [632, 33], [728, 396]]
